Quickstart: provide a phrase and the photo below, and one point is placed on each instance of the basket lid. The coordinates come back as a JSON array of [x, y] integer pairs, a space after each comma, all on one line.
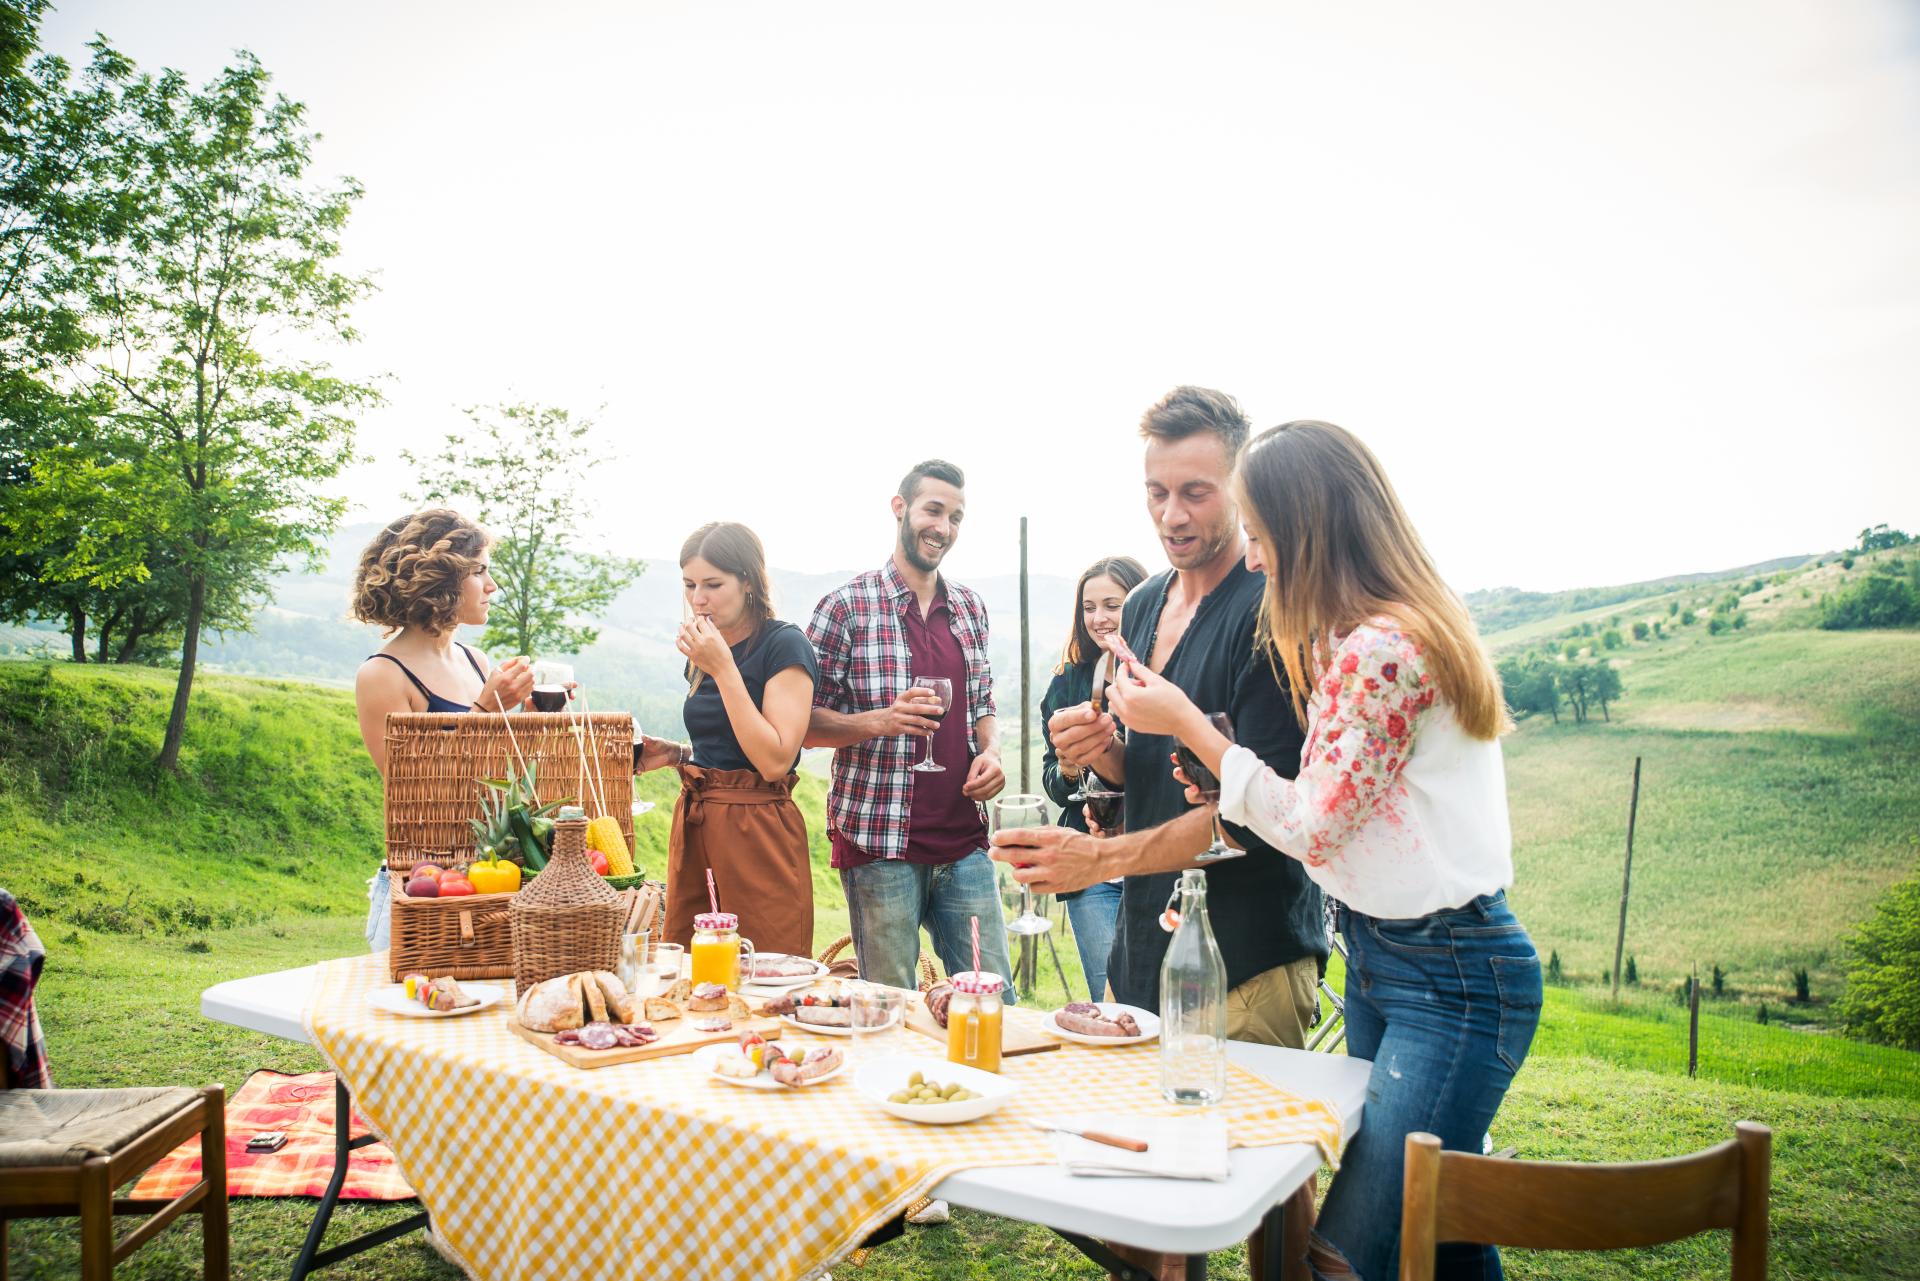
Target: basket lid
[[978, 983], [716, 921]]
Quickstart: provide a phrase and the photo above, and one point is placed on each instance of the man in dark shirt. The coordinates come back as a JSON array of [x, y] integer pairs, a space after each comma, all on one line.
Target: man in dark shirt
[[911, 846], [1194, 624]]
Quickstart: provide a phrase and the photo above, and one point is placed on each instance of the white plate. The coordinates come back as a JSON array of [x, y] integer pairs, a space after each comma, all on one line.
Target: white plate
[[818, 972], [1149, 1026], [394, 1001], [818, 1029], [878, 1080], [706, 1055]]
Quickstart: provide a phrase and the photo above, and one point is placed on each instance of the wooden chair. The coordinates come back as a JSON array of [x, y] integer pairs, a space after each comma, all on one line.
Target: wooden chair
[[63, 1152], [1551, 1205]]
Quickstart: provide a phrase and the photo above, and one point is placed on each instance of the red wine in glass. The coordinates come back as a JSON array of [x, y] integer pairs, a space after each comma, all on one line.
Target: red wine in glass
[[1208, 785], [549, 698], [942, 690], [1105, 808]]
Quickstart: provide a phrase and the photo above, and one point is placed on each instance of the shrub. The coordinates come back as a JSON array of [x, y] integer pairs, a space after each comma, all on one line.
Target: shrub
[[1570, 651], [1874, 601], [1610, 639], [1761, 1018], [1802, 986], [1659, 631], [1719, 981], [1716, 625], [1633, 971], [1555, 974], [1640, 631], [1686, 618], [1882, 1000], [1673, 607], [1739, 620], [1846, 562], [1758, 583]]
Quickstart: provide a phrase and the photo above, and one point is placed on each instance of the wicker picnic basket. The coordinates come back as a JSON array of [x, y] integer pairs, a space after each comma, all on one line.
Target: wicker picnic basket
[[435, 764], [567, 918]]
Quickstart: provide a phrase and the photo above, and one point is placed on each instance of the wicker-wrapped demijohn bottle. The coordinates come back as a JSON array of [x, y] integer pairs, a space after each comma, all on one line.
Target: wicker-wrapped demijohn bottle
[[566, 919]]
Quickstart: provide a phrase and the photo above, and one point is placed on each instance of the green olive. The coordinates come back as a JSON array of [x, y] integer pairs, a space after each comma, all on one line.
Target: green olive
[[916, 1079], [900, 1097]]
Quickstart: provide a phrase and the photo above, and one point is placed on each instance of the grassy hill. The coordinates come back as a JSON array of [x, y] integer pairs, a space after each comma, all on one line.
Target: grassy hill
[[1780, 795]]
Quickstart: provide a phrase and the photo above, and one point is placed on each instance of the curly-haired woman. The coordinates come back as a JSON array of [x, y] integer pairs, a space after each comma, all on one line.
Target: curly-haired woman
[[421, 577]]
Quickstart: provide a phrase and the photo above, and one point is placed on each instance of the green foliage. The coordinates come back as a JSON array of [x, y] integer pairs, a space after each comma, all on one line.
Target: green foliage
[[1589, 685], [1530, 686], [1882, 999], [1673, 607], [1633, 971], [520, 476], [1570, 651], [1611, 639], [1641, 631], [1716, 625], [1802, 985], [1719, 981], [1877, 600], [1879, 537], [1556, 973], [1846, 562], [1686, 618], [1740, 619]]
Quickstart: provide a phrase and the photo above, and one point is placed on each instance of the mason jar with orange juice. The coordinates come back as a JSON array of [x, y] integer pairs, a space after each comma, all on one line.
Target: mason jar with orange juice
[[973, 1020], [717, 949]]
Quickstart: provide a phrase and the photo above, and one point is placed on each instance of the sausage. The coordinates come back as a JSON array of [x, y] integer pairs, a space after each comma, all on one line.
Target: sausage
[[1085, 1018], [824, 1015], [817, 1064], [938, 998]]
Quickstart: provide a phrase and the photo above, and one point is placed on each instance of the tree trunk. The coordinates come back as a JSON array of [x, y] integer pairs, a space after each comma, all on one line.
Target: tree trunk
[[190, 650], [100, 649], [1603, 713], [136, 632], [77, 625]]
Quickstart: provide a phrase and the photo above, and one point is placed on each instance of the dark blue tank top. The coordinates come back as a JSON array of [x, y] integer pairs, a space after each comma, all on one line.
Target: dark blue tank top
[[435, 703]]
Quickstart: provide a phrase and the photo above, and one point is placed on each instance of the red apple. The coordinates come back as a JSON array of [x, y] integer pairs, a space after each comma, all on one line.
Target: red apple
[[423, 887], [427, 872], [454, 886]]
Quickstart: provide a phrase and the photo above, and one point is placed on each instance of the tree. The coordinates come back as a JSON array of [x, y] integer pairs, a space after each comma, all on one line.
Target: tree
[[1882, 960], [1875, 601], [217, 267], [521, 479], [1640, 631], [1686, 618], [1878, 538], [1603, 686], [1611, 639], [1530, 687]]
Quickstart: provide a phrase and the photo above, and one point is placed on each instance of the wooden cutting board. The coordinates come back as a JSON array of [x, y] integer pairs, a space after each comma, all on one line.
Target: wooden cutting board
[[677, 1036], [1014, 1039]]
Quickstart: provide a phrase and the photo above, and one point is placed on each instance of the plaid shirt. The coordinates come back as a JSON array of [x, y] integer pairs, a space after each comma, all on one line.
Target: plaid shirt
[[864, 665]]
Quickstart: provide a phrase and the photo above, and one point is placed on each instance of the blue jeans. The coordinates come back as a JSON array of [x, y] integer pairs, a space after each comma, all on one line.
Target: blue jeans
[[1095, 913], [890, 900], [1445, 1006]]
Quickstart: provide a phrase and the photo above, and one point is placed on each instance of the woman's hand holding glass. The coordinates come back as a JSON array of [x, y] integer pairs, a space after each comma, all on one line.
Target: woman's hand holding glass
[[509, 685]]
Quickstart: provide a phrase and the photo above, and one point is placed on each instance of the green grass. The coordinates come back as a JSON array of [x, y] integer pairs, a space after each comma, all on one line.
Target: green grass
[[1780, 795]]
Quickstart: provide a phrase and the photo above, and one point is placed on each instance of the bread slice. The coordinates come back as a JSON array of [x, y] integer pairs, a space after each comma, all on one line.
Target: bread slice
[[621, 1005], [596, 1002], [660, 1009]]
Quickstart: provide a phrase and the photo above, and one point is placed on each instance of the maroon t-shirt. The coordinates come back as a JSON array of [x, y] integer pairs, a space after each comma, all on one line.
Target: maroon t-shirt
[[943, 826]]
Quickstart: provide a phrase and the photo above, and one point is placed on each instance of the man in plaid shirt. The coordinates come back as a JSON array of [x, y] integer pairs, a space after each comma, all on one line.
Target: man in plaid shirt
[[910, 846]]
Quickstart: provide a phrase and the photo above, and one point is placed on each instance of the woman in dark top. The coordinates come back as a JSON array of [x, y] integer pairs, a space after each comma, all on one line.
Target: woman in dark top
[[1097, 606], [749, 697], [421, 577]]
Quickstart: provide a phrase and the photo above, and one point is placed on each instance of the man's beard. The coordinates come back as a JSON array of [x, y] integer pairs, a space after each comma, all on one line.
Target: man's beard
[[1206, 549], [910, 548]]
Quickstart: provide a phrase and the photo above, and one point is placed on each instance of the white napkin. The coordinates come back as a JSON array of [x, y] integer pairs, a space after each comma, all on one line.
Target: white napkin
[[1178, 1147]]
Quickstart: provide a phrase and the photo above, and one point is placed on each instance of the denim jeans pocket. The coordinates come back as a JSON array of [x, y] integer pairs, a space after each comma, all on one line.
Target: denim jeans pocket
[[1422, 936], [1518, 981]]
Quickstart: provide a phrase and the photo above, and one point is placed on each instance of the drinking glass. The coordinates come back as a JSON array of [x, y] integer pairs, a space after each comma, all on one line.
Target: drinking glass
[[1209, 786], [669, 959], [879, 1012], [942, 689], [1022, 811], [550, 681]]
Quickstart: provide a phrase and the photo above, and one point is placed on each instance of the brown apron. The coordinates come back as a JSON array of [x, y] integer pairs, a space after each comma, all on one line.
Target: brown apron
[[750, 834]]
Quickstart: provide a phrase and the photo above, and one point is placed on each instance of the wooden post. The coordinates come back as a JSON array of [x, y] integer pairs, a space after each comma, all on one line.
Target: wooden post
[[1693, 1022], [1626, 879], [1026, 675]]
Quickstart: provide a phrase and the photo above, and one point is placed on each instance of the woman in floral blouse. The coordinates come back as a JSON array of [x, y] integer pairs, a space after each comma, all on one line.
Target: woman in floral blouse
[[1399, 812]]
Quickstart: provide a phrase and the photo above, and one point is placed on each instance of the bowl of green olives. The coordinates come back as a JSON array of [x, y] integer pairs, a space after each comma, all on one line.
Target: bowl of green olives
[[931, 1091]]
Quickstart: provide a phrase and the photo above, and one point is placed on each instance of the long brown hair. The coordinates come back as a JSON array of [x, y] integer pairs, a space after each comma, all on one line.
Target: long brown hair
[[1339, 550], [732, 548], [1081, 647]]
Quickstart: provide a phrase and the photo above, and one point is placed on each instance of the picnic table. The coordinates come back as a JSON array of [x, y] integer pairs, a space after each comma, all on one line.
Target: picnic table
[[508, 1147]]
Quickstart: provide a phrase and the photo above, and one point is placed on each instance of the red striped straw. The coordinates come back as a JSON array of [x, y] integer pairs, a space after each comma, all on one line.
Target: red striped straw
[[713, 895], [976, 942]]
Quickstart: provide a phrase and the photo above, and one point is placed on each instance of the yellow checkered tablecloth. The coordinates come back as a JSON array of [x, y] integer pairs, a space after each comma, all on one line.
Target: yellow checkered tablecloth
[[534, 1169]]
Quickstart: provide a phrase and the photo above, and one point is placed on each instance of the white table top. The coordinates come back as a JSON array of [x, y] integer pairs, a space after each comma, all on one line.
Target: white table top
[[1177, 1216]]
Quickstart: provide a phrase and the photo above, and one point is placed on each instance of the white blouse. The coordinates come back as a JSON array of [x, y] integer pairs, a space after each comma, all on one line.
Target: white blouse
[[1397, 811]]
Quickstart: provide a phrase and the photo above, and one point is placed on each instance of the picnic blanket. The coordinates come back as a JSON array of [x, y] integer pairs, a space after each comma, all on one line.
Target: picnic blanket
[[534, 1169], [303, 1107]]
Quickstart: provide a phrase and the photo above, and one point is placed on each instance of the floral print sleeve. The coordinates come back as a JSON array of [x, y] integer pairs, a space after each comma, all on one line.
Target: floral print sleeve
[[1366, 712]]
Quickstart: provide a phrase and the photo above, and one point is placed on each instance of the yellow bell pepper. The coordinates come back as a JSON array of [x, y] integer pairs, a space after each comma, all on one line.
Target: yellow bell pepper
[[495, 876]]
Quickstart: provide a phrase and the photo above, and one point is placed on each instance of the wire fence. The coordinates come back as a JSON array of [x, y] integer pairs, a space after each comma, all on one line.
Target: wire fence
[[1771, 1045]]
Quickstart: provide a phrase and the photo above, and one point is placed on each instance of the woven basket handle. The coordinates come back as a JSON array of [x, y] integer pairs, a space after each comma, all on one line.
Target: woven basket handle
[[928, 974], [834, 949]]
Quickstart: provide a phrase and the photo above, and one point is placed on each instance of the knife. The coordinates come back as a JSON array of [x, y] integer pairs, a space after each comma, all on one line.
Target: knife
[[1094, 1136]]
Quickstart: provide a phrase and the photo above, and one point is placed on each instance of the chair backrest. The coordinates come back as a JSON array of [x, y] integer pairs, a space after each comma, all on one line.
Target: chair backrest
[[1552, 1205]]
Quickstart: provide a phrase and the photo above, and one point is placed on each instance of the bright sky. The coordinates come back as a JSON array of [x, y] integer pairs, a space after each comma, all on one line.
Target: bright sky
[[1614, 293]]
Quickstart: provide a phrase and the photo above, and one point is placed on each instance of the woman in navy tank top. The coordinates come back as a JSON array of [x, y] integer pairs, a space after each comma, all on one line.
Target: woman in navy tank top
[[420, 578]]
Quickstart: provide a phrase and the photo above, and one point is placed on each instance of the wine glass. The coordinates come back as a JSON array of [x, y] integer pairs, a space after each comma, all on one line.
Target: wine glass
[[1208, 784], [550, 681], [1022, 811], [942, 690]]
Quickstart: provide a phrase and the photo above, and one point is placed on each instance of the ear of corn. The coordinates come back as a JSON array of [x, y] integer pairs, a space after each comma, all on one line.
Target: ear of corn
[[603, 834]]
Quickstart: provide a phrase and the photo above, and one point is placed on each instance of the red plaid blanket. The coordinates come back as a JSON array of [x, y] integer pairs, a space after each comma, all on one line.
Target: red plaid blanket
[[303, 1107], [21, 957]]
